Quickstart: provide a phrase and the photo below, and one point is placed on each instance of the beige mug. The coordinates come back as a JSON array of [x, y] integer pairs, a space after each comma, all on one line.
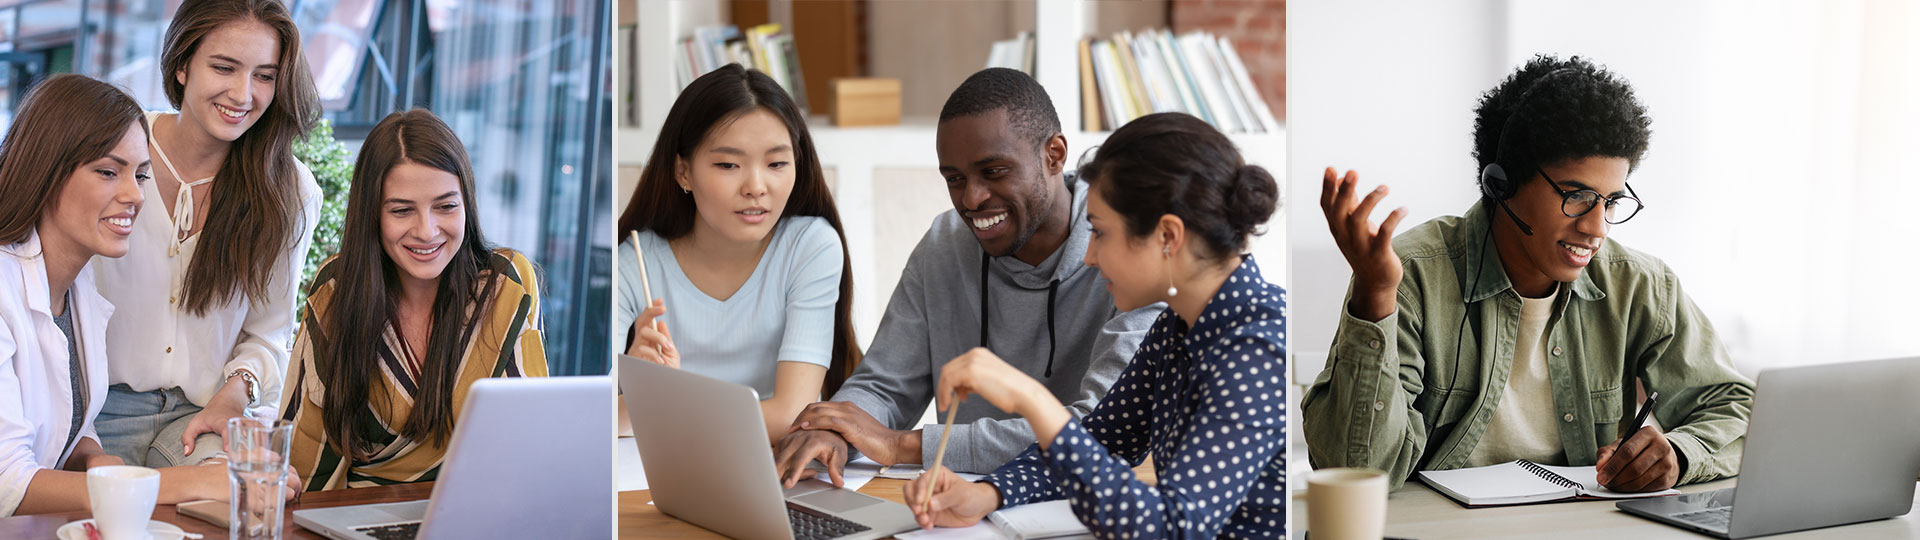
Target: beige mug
[[1347, 504]]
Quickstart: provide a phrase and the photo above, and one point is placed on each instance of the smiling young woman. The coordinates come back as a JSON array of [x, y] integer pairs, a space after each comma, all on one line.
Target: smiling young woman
[[72, 168], [206, 296], [416, 307], [744, 249]]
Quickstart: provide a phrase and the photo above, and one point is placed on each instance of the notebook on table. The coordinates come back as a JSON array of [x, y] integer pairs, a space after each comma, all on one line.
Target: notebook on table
[[1525, 482]]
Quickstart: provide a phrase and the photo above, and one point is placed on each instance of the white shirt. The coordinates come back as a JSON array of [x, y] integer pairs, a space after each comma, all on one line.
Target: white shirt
[[1524, 425], [36, 385], [154, 343]]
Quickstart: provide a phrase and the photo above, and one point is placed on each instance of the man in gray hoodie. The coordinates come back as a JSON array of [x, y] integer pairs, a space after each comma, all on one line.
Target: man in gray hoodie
[[1005, 270]]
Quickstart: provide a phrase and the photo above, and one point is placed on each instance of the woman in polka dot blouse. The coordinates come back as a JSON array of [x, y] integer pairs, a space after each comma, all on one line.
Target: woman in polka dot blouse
[[1171, 209]]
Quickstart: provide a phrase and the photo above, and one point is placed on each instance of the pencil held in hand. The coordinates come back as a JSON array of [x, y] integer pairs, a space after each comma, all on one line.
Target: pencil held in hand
[[646, 291], [940, 454]]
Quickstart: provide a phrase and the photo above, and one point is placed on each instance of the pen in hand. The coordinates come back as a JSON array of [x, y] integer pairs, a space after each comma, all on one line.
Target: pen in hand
[[1640, 419]]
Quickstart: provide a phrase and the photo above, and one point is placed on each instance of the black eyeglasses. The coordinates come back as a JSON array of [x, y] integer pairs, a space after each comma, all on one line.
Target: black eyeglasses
[[1576, 203]]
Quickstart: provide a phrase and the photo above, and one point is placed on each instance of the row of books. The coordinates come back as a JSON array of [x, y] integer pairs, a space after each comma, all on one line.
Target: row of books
[[1133, 75], [1016, 53], [762, 47]]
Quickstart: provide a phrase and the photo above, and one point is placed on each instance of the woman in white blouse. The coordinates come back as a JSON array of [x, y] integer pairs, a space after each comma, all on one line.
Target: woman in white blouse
[[71, 170], [206, 297]]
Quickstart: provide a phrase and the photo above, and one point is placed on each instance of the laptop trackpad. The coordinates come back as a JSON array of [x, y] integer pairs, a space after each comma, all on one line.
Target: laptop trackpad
[[837, 500]]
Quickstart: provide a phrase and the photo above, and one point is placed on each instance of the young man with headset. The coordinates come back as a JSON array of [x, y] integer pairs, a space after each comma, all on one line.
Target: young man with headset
[[1518, 331]]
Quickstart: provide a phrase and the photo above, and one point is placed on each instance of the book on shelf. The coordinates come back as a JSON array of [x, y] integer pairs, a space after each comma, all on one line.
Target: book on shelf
[[765, 48], [1197, 73], [1016, 53]]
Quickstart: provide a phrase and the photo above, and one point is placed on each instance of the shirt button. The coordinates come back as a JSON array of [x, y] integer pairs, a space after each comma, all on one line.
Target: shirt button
[[1374, 344], [1378, 405], [1556, 351], [169, 350], [1568, 417]]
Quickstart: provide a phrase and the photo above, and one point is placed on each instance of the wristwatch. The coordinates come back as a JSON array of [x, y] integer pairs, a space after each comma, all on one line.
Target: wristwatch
[[253, 384]]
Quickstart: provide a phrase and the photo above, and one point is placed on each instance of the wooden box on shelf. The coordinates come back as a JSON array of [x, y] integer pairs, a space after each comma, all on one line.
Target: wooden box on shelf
[[864, 102]]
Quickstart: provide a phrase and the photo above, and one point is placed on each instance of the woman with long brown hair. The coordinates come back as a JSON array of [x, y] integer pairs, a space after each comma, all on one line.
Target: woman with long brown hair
[[414, 309], [745, 255], [71, 170], [206, 297]]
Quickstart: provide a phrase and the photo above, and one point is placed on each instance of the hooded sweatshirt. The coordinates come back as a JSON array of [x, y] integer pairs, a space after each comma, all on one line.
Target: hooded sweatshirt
[[1055, 321]]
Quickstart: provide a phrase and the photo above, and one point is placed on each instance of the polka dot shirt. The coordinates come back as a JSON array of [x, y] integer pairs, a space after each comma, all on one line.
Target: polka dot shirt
[[1208, 404]]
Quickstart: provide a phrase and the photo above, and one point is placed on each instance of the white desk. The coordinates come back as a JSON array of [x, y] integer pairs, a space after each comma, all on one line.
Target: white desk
[[1416, 511]]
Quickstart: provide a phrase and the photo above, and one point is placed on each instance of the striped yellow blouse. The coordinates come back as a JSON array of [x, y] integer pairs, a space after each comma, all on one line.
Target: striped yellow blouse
[[507, 345]]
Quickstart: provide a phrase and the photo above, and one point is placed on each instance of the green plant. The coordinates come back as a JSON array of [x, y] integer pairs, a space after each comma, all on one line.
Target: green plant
[[332, 167]]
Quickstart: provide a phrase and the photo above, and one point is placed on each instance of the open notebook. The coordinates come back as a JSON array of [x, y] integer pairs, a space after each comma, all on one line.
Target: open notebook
[[1522, 482]]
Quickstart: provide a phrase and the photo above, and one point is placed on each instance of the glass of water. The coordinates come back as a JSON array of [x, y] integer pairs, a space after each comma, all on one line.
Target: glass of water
[[257, 454]]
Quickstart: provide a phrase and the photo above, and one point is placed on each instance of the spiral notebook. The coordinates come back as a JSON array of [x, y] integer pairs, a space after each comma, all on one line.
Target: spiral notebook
[[1524, 482]]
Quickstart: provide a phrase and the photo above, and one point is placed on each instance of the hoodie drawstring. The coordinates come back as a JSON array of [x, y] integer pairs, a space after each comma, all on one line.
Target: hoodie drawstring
[[1051, 288], [984, 259]]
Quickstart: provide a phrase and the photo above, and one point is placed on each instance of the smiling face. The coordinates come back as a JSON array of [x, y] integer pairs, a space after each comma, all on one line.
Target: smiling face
[[740, 177], [423, 220], [1135, 269], [997, 180], [1560, 246], [93, 213], [229, 83]]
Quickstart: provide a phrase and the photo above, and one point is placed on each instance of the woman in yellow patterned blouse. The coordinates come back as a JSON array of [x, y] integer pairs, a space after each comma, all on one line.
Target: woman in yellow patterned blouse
[[414, 309]]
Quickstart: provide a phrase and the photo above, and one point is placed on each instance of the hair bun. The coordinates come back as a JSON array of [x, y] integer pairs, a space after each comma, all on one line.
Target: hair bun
[[1252, 198]]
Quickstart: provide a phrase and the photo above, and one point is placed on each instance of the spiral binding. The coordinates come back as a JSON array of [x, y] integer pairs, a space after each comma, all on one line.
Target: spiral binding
[[1548, 475]]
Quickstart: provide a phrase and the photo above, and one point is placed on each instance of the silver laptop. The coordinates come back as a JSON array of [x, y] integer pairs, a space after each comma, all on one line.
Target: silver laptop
[[704, 446], [1828, 445], [529, 458]]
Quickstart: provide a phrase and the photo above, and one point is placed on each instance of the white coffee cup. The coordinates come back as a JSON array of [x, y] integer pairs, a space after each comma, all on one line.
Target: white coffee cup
[[123, 497], [1347, 504]]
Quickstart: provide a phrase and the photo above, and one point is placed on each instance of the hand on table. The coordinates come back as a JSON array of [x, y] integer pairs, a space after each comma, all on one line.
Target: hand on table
[[883, 445], [1644, 462], [1367, 248], [955, 501]]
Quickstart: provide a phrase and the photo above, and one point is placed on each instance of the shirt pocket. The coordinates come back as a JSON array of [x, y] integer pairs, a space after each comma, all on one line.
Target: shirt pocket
[[1605, 408]]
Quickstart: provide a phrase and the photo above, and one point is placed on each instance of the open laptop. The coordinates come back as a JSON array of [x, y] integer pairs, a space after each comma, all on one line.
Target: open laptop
[[1828, 445], [704, 446], [529, 458]]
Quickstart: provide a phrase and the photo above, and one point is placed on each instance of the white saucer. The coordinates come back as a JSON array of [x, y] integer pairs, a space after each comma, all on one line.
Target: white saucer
[[156, 530]]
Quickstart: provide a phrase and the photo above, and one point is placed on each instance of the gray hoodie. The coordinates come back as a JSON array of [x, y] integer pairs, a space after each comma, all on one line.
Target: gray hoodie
[[935, 315]]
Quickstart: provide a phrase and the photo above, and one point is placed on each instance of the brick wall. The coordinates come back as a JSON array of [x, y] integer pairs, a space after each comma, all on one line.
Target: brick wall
[[1257, 29]]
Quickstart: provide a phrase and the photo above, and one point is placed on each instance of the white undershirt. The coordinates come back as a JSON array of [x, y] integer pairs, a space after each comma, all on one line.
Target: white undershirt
[[1524, 426]]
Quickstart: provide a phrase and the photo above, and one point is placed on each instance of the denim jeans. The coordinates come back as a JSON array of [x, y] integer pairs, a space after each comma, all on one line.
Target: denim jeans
[[144, 428]]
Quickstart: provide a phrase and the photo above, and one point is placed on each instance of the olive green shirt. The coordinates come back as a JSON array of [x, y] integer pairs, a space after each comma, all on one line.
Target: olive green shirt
[[1395, 395]]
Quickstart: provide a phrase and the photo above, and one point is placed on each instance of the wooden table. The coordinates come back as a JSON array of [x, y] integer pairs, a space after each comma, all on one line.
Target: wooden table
[[641, 520], [39, 527], [1417, 511]]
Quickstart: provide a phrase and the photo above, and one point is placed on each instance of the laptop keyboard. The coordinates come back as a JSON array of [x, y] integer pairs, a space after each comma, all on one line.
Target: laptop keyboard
[[809, 524], [1712, 518], [397, 531]]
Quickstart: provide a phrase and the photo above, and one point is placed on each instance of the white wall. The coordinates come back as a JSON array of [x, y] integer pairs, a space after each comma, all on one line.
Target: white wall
[[1776, 185], [1385, 88]]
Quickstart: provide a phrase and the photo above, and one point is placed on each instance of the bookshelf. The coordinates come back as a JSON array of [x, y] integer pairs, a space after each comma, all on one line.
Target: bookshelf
[[894, 165]]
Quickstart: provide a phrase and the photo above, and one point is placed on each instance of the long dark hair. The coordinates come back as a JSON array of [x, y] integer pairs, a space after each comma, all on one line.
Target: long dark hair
[[64, 122], [254, 211], [365, 284], [659, 205], [1173, 163]]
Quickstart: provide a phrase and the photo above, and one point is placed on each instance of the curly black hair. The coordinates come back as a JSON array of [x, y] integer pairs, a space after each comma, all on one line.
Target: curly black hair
[[1575, 109], [1026, 102]]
